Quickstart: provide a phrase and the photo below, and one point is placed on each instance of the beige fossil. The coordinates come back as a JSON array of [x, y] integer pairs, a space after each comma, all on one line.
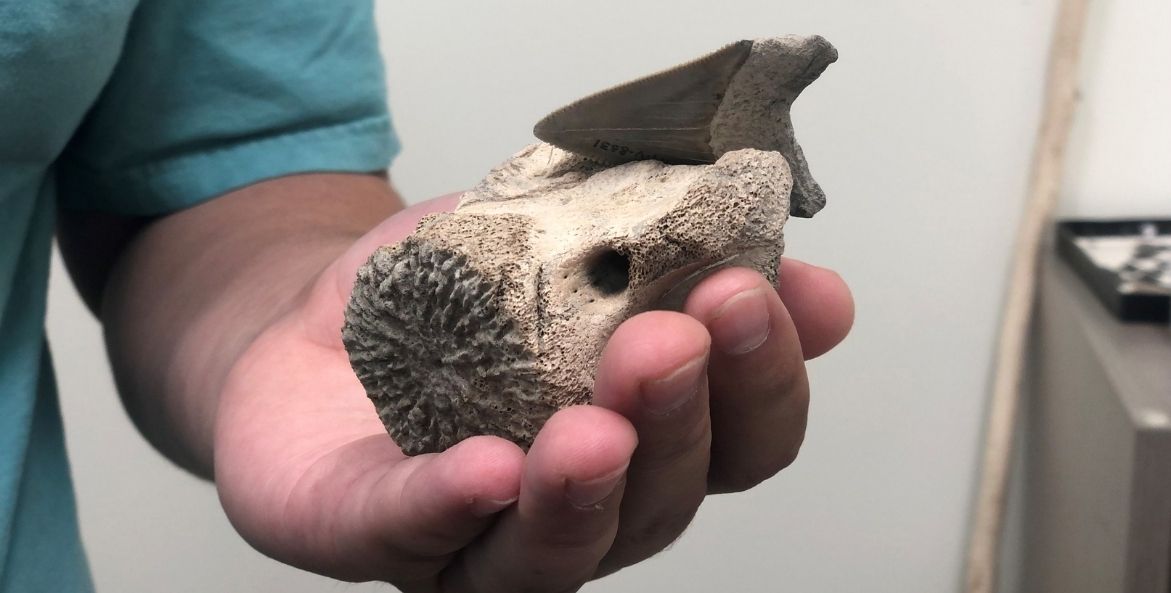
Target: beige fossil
[[490, 318]]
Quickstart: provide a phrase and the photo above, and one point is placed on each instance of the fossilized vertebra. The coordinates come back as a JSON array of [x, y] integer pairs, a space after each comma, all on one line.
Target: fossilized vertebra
[[488, 319]]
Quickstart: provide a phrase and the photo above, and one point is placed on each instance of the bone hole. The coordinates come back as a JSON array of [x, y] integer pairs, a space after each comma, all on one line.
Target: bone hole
[[609, 272]]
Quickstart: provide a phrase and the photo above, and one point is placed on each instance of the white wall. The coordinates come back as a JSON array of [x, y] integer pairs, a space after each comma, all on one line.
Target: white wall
[[921, 136], [1120, 162]]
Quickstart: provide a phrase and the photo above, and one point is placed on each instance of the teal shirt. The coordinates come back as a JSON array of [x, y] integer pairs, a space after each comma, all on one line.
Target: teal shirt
[[143, 108]]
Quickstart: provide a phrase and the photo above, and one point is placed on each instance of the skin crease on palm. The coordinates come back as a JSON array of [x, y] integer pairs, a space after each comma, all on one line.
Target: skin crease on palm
[[687, 404]]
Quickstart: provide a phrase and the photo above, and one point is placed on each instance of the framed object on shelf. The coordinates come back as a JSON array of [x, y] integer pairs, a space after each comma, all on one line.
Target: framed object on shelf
[[1126, 263]]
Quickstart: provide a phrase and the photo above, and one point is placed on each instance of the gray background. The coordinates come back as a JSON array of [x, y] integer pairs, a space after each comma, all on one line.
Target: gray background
[[921, 136]]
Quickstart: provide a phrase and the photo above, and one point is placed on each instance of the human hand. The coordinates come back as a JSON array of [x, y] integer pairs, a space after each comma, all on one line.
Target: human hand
[[682, 409]]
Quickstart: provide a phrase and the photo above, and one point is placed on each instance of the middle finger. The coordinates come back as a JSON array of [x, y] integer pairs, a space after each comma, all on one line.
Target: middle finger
[[653, 371]]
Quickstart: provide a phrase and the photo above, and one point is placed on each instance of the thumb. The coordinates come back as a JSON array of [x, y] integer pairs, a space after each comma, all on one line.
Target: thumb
[[361, 516]]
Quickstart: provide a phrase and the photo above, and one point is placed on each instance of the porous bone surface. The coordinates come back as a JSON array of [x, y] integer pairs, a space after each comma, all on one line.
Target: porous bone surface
[[490, 318]]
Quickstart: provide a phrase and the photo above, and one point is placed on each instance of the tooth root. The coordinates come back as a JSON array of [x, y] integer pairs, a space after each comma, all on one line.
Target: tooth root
[[756, 109]]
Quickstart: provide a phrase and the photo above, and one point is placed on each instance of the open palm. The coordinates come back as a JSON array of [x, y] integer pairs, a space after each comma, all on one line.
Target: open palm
[[710, 400]]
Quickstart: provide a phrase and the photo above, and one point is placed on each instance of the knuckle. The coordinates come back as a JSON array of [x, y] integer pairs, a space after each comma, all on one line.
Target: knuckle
[[655, 535], [747, 476], [777, 382], [789, 381], [739, 480], [786, 457], [567, 540], [658, 453]]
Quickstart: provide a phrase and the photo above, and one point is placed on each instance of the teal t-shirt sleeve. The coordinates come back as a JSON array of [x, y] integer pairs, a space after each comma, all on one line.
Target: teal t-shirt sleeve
[[214, 95]]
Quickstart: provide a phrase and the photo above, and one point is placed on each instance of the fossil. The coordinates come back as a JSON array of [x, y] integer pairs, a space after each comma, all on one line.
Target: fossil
[[490, 318]]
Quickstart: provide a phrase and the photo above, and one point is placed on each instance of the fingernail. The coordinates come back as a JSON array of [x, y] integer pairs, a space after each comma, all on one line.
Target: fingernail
[[741, 324], [485, 507], [663, 396], [588, 494]]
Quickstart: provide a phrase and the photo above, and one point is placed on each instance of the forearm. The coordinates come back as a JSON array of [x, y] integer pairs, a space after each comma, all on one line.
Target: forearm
[[193, 290]]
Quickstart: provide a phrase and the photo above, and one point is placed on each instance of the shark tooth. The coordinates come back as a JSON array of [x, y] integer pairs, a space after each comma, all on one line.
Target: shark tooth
[[737, 97]]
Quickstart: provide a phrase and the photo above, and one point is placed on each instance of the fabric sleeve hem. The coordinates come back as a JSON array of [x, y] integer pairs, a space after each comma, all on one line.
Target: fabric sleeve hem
[[176, 183]]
